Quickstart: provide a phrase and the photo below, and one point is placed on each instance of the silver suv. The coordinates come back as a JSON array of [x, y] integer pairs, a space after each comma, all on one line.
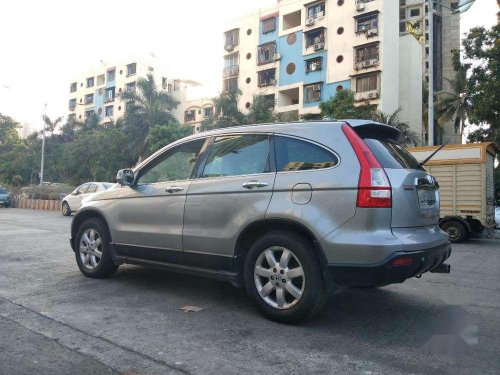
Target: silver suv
[[287, 210]]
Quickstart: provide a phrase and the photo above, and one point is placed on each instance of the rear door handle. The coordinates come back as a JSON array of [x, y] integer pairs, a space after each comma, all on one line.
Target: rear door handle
[[254, 184], [173, 189]]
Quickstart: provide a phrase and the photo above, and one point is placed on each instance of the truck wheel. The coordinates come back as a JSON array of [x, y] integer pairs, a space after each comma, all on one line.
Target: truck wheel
[[283, 278], [456, 231]]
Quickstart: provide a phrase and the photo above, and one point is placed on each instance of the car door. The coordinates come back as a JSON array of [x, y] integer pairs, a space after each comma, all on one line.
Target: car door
[[232, 189], [75, 201], [147, 217]]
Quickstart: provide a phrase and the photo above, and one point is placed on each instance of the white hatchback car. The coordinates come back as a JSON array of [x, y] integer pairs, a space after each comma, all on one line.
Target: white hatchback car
[[497, 217], [72, 202]]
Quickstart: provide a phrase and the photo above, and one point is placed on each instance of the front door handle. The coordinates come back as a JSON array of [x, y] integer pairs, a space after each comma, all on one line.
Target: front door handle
[[254, 184], [173, 189]]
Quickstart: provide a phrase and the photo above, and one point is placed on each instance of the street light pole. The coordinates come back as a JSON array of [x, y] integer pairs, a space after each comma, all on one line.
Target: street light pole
[[430, 74], [43, 145]]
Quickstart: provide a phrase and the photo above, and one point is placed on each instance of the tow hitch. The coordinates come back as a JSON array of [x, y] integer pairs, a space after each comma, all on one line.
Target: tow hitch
[[442, 268]]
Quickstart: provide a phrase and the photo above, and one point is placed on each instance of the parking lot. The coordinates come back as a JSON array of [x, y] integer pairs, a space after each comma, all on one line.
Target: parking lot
[[54, 320]]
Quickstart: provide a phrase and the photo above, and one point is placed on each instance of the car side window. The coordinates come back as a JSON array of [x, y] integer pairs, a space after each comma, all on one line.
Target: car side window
[[298, 155], [92, 188], [238, 155], [175, 164], [83, 189]]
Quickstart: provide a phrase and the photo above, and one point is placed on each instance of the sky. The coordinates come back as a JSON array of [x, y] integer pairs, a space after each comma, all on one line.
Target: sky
[[44, 44]]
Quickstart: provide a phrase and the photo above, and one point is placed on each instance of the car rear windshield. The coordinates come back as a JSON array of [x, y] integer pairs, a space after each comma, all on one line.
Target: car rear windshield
[[388, 152], [3, 191]]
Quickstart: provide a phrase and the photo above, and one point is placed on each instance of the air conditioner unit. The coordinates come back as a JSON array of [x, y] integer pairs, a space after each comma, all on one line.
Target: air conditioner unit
[[372, 32], [372, 94], [310, 21], [229, 47], [366, 63], [317, 88], [360, 7], [277, 57], [273, 82], [313, 67], [319, 46], [320, 15]]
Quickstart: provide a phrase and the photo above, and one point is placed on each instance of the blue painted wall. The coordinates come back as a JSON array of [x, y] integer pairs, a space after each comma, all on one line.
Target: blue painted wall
[[269, 37]]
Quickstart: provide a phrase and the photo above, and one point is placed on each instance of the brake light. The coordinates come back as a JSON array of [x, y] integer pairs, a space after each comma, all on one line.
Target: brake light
[[374, 188], [402, 262]]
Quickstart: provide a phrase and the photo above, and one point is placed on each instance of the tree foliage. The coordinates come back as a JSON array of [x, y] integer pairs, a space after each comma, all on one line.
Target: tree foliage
[[341, 106]]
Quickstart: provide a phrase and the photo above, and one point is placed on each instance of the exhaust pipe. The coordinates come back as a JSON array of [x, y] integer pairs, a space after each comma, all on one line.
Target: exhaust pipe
[[442, 268]]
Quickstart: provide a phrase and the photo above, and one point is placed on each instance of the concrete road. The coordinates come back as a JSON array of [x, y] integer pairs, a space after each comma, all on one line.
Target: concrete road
[[53, 320]]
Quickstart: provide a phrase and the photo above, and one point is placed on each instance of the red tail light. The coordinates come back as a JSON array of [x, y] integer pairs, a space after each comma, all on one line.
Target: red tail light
[[374, 188]]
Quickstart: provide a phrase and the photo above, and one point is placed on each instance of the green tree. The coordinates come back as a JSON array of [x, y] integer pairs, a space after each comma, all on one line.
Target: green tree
[[51, 125], [341, 106], [146, 106], [226, 112], [161, 135], [392, 119], [8, 130], [261, 110]]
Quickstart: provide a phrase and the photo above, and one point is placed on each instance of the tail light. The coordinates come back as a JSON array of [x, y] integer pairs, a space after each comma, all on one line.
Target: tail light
[[374, 188]]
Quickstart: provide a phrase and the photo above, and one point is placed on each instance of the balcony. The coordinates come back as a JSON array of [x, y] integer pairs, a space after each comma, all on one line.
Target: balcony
[[231, 71]]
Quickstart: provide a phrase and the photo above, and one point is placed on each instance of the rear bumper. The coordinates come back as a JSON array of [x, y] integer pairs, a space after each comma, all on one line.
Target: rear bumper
[[386, 272]]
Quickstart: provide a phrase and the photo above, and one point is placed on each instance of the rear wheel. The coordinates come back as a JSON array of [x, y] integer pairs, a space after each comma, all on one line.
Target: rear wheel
[[283, 277], [456, 230], [66, 210], [92, 252]]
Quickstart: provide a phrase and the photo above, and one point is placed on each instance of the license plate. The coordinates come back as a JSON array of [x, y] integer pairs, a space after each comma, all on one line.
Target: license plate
[[428, 198]]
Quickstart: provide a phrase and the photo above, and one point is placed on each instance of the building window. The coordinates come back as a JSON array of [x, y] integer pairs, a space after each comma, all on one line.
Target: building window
[[72, 104], [190, 115], [315, 64], [100, 80], [415, 12], [268, 25], [402, 14], [110, 94], [365, 22], [231, 66], [366, 56], [109, 111], [292, 20], [402, 27], [316, 10], [208, 111], [177, 84], [90, 82], [111, 75], [230, 85], [267, 77], [231, 39], [164, 83], [312, 93], [89, 113], [89, 98], [72, 87], [316, 38], [130, 86], [265, 53], [368, 82], [131, 69], [402, 3]]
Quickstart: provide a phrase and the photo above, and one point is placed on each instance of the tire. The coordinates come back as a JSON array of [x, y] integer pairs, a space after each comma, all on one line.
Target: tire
[[66, 210], [456, 231], [310, 283], [93, 256]]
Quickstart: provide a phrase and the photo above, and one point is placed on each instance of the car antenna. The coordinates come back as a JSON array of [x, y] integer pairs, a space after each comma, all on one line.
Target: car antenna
[[422, 163]]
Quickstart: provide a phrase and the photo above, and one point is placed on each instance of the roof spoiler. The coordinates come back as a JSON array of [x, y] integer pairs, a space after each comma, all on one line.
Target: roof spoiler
[[388, 131]]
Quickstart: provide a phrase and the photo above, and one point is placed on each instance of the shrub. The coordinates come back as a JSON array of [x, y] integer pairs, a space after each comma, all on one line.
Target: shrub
[[49, 191]]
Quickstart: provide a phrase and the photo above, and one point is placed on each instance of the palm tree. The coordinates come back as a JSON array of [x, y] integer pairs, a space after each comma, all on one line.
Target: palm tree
[[261, 110], [392, 119], [51, 126], [454, 105], [146, 106], [226, 113]]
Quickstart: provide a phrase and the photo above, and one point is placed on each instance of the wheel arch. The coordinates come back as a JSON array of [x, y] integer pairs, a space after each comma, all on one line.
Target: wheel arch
[[83, 215], [258, 228]]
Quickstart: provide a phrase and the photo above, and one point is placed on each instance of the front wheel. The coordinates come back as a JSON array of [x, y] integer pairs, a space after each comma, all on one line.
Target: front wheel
[[283, 277], [92, 250], [66, 210]]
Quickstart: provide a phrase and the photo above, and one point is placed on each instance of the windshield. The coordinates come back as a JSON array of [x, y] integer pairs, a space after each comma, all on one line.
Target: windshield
[[4, 191], [107, 185]]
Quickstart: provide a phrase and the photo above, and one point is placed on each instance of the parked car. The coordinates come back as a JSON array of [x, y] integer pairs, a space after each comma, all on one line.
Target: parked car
[[5, 197], [497, 217], [72, 202], [286, 210]]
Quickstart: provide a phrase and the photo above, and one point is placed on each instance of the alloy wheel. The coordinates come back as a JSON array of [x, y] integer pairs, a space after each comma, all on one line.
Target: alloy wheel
[[279, 277], [90, 248]]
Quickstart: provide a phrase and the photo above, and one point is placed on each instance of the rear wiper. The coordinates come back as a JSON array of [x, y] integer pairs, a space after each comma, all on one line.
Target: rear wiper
[[422, 163]]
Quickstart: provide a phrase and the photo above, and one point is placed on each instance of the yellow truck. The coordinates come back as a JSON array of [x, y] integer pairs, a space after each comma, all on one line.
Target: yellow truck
[[465, 174]]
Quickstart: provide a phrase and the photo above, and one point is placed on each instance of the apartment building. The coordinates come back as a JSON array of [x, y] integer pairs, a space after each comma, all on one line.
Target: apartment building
[[414, 15], [301, 53]]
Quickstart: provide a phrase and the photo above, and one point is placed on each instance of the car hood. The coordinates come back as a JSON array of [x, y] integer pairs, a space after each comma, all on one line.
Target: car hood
[[112, 192]]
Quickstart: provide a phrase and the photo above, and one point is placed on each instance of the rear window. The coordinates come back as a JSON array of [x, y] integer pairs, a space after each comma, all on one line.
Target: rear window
[[388, 152]]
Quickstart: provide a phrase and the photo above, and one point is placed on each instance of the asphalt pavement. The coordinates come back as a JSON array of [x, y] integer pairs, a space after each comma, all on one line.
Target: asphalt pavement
[[53, 320]]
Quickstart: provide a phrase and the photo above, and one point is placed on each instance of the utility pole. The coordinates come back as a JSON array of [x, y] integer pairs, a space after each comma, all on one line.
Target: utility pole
[[43, 145], [430, 73]]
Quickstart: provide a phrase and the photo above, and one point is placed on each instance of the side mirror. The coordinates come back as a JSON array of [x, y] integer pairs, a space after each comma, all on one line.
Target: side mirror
[[125, 177]]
